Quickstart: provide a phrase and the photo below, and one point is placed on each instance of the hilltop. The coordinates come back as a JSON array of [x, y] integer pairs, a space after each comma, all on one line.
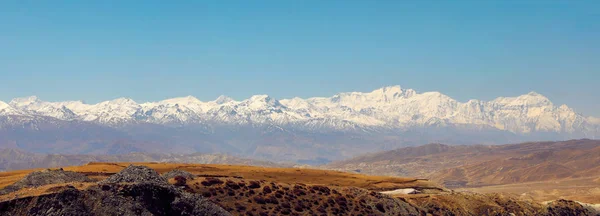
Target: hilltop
[[246, 190]]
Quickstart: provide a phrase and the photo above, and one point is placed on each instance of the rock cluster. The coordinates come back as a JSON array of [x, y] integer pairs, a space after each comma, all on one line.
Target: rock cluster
[[136, 174], [174, 173]]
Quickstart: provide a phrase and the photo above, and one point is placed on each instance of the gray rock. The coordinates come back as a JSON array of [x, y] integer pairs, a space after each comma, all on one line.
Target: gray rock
[[136, 174], [174, 173]]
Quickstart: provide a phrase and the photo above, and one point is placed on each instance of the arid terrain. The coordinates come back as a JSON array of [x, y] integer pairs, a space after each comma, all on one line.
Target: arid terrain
[[542, 171], [200, 189]]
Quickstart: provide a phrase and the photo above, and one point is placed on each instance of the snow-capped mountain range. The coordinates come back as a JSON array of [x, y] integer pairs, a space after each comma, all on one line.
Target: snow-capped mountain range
[[387, 108]]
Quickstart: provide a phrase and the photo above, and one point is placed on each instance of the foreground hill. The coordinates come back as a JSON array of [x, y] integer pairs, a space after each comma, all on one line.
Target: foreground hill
[[484, 165], [191, 189]]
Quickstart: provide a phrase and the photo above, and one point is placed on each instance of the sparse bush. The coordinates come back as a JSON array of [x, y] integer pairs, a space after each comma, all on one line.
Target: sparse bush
[[254, 184], [299, 192], [267, 190], [341, 201], [330, 201], [180, 181], [380, 207], [259, 200], [240, 207], [211, 181], [298, 209], [232, 185], [273, 200], [321, 209]]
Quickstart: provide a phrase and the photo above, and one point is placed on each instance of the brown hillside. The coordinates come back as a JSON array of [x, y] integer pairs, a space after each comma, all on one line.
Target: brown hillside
[[246, 190], [484, 165], [282, 175]]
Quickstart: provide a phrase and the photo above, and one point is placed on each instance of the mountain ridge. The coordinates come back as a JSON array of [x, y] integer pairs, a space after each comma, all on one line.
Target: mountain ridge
[[389, 107]]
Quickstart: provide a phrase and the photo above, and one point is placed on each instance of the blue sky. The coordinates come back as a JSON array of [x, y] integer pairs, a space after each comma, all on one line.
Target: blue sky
[[152, 50]]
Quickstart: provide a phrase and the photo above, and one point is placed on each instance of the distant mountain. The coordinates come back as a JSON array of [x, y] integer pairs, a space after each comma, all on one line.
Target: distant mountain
[[479, 165], [385, 108], [12, 159], [312, 130]]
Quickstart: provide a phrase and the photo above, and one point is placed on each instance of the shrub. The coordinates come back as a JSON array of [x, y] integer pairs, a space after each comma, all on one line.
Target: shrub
[[211, 181], [321, 189], [259, 200], [240, 207], [272, 200], [298, 209], [232, 185], [254, 184], [267, 190], [321, 209], [380, 207], [180, 181], [299, 192]]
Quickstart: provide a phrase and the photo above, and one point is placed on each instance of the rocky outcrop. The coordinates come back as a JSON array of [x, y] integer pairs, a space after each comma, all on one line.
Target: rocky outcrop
[[136, 174], [174, 173], [568, 207], [107, 199], [136, 190]]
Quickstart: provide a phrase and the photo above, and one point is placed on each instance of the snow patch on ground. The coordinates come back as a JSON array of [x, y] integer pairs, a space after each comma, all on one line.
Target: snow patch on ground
[[400, 191]]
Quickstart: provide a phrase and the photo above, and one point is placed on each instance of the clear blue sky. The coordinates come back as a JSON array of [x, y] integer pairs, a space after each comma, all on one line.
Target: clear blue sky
[[152, 50]]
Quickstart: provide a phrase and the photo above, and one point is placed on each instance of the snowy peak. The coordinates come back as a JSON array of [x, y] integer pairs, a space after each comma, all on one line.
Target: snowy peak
[[182, 100], [223, 99], [6, 109], [34, 106], [261, 102], [529, 99], [119, 102], [3, 105], [24, 101], [391, 93]]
